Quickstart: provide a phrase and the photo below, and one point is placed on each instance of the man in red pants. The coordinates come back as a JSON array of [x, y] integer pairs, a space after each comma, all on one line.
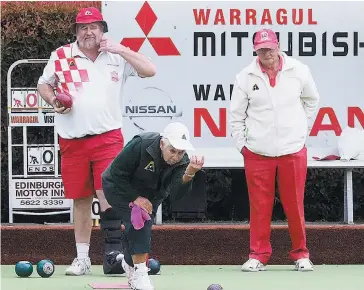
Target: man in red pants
[[272, 100], [93, 70]]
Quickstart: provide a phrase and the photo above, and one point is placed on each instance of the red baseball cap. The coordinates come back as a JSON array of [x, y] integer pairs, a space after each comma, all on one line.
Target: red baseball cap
[[90, 15], [265, 38]]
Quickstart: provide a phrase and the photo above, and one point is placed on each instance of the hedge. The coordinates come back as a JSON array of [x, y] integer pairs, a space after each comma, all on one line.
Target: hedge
[[34, 29], [30, 30]]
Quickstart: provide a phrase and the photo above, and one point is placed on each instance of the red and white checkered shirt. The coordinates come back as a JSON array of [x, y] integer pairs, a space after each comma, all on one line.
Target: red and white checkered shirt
[[96, 88]]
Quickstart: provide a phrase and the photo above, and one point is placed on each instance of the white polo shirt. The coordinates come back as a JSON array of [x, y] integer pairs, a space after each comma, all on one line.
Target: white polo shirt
[[96, 88]]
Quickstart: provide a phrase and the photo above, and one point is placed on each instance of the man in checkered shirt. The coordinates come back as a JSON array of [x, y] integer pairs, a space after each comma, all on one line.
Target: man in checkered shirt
[[93, 71]]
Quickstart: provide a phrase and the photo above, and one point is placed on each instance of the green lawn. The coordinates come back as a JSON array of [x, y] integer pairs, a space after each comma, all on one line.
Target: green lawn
[[330, 277]]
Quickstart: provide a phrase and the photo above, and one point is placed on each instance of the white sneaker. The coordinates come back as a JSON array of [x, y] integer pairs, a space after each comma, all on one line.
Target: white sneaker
[[129, 272], [141, 280], [303, 265], [79, 267], [253, 265]]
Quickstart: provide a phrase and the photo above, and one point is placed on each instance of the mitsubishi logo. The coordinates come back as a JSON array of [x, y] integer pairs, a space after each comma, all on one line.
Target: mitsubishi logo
[[146, 19]]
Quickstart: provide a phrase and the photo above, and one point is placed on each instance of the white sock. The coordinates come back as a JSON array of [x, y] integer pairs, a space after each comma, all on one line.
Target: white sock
[[82, 250], [119, 257], [140, 266]]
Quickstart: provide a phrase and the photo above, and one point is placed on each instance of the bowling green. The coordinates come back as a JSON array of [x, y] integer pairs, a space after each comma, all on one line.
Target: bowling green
[[333, 277]]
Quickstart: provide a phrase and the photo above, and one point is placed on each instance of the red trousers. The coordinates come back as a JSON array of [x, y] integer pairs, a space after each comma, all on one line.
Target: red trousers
[[83, 160], [261, 173]]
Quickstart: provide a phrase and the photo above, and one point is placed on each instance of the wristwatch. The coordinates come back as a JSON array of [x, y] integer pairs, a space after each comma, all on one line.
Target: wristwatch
[[189, 175]]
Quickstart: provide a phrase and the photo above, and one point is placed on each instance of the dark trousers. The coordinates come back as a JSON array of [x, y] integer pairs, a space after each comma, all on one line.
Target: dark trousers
[[134, 241]]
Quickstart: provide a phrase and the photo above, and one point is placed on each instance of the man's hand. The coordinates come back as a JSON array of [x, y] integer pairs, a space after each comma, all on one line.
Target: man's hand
[[109, 45], [195, 165], [144, 203], [142, 64], [58, 108]]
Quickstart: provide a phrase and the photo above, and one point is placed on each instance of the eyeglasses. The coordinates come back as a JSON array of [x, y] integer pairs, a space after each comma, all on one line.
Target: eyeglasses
[[265, 50], [92, 26], [174, 151]]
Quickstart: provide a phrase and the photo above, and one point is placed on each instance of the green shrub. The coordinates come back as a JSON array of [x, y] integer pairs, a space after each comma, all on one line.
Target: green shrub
[[30, 30]]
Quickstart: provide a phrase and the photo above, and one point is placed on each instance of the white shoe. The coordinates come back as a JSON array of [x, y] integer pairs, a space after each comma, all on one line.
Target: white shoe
[[79, 267], [141, 279], [129, 272], [253, 265], [303, 265]]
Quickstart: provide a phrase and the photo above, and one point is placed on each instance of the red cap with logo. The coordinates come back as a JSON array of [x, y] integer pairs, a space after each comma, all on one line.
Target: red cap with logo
[[90, 15], [265, 38]]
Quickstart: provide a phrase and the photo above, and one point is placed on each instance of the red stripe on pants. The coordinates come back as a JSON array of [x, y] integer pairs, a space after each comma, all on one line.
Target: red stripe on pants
[[261, 173]]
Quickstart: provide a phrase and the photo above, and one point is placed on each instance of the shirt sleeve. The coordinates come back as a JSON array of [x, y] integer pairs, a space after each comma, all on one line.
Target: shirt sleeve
[[48, 76], [310, 96], [129, 71], [123, 167], [238, 107], [176, 188]]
